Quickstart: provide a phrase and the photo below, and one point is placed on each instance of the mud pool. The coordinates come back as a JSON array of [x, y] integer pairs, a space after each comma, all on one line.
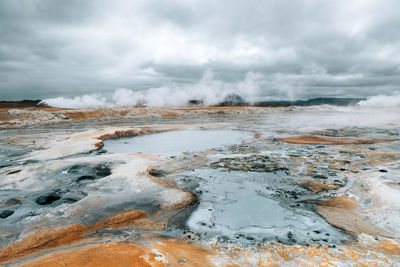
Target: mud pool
[[242, 206]]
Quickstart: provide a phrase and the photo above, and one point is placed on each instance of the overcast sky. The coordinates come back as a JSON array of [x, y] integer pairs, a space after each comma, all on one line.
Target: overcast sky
[[298, 48]]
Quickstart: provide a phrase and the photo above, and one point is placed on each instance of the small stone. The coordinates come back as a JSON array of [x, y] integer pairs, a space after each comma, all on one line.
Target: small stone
[[13, 172], [6, 213], [181, 260], [85, 177], [290, 236], [102, 170], [13, 201], [47, 199]]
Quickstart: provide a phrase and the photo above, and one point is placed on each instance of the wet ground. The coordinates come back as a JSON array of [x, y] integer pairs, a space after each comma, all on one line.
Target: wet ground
[[322, 178]]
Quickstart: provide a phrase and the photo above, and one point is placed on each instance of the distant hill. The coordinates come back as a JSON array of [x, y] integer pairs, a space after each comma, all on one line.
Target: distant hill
[[313, 101], [20, 104]]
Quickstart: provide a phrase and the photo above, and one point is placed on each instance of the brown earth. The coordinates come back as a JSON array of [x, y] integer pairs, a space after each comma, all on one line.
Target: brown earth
[[317, 187], [319, 140], [159, 253], [156, 251], [342, 212], [120, 220], [44, 240], [125, 133], [19, 104], [102, 255], [128, 133]]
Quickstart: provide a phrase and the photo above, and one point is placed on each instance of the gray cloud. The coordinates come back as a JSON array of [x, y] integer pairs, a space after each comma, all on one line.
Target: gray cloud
[[311, 48]]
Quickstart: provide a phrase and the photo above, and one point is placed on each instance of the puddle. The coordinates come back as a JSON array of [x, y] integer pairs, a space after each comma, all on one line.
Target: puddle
[[241, 205], [175, 142]]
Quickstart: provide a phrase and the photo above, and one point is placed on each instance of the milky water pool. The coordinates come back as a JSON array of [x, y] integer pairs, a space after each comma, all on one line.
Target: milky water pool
[[175, 142], [243, 205]]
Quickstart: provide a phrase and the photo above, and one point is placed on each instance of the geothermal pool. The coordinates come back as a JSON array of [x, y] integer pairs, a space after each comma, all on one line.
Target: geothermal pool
[[241, 206], [175, 142]]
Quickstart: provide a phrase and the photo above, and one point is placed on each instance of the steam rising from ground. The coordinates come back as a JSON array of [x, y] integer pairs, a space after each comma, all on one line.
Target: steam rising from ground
[[208, 90], [381, 101], [85, 101]]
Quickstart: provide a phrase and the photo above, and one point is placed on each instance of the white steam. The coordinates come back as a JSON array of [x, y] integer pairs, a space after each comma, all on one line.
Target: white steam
[[85, 101], [381, 101], [208, 90]]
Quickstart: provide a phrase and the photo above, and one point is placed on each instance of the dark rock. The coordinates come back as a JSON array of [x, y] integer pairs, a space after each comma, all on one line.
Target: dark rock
[[291, 238], [6, 213], [85, 177], [382, 170], [156, 172], [47, 199], [102, 170], [320, 176], [76, 169], [13, 172], [195, 102], [232, 100], [4, 166], [102, 151], [72, 197]]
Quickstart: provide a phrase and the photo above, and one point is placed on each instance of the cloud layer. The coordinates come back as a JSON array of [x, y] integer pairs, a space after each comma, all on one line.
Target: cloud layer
[[296, 49]]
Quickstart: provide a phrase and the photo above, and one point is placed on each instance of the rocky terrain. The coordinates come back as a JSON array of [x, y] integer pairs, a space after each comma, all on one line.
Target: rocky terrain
[[193, 186]]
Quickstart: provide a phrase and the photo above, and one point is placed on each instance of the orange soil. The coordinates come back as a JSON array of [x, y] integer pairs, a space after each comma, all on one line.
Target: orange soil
[[342, 213], [120, 220], [82, 115], [389, 247], [340, 202], [317, 187], [180, 253], [157, 252], [319, 140], [103, 255], [127, 133], [176, 253], [168, 114], [43, 240], [52, 238]]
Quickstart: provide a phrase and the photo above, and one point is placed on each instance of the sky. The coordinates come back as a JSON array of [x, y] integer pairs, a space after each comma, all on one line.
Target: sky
[[293, 49]]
